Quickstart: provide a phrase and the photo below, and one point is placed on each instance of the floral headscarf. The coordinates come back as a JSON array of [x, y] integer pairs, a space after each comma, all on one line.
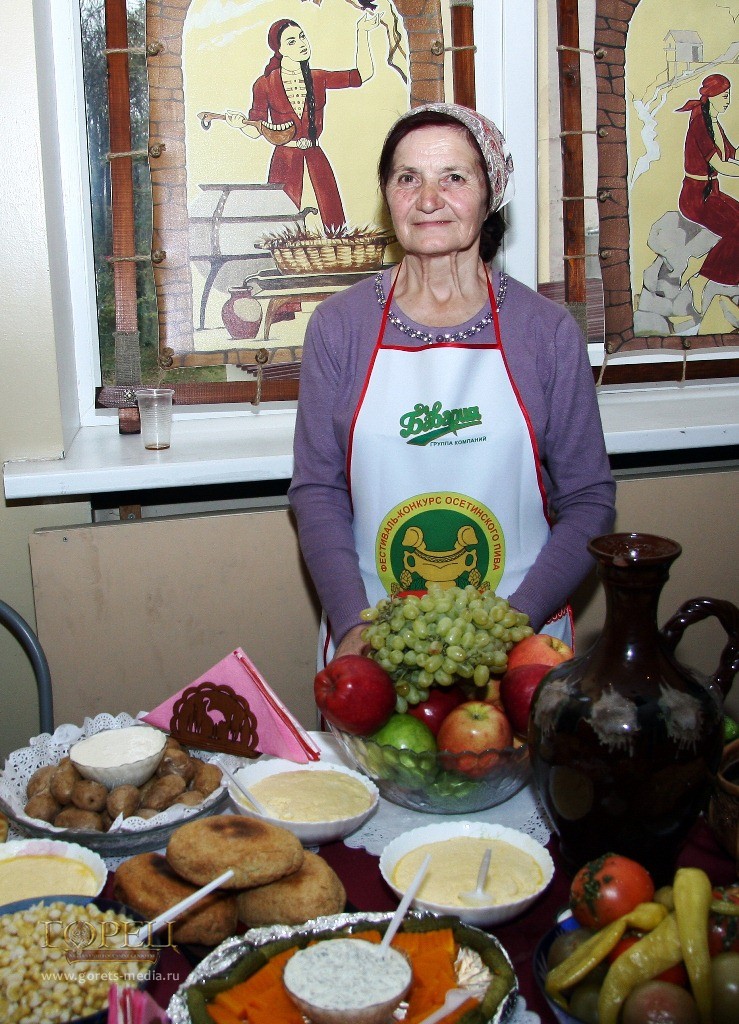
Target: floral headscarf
[[498, 160]]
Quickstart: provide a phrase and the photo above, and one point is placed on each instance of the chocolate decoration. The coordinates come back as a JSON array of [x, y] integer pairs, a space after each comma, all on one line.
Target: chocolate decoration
[[215, 717]]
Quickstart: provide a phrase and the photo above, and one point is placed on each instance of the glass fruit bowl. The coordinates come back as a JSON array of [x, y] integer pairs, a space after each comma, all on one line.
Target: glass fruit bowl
[[438, 782]]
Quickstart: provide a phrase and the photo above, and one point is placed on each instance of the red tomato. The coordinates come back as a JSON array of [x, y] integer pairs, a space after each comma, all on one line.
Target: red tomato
[[608, 887], [723, 930], [676, 975]]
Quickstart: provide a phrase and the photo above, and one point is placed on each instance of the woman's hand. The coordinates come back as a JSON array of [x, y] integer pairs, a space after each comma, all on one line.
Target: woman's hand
[[352, 643], [384, 12], [235, 119], [369, 21]]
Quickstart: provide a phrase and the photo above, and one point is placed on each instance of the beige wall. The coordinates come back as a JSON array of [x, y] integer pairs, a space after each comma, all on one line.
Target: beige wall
[[131, 612], [30, 421], [696, 510]]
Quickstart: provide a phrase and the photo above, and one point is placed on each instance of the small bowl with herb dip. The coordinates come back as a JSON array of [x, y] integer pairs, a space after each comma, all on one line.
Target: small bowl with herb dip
[[36, 868], [347, 981], [317, 802], [520, 869]]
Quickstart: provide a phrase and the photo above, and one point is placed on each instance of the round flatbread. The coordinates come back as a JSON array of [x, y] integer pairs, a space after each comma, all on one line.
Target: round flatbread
[[311, 892], [257, 852], [148, 885]]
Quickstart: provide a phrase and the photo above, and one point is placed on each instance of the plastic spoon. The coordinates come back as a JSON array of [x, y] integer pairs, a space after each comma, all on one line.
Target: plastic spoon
[[478, 894], [400, 913], [179, 908], [259, 808], [452, 1001]]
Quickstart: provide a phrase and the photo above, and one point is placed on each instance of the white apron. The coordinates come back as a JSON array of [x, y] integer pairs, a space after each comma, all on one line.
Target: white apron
[[444, 474]]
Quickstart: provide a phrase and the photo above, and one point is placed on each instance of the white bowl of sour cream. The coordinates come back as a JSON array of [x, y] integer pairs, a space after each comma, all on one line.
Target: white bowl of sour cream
[[347, 981], [520, 869], [117, 757], [318, 802]]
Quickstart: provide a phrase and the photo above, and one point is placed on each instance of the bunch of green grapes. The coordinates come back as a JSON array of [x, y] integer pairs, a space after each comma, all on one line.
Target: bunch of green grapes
[[440, 637]]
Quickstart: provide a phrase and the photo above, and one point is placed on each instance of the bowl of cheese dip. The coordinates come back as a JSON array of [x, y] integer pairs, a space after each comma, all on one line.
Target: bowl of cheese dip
[[317, 802], [520, 869], [34, 868]]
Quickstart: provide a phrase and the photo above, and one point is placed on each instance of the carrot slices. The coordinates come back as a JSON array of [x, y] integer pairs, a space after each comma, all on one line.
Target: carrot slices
[[261, 999], [432, 955]]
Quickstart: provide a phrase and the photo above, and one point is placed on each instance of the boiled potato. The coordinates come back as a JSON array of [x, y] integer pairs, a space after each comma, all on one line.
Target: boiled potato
[[89, 795], [164, 792], [63, 780]]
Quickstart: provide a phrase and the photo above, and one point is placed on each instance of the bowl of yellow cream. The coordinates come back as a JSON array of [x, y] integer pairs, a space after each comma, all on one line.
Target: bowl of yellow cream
[[318, 802], [35, 868], [519, 872]]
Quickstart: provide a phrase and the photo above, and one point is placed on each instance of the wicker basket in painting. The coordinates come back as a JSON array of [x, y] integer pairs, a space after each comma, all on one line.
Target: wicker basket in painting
[[305, 254]]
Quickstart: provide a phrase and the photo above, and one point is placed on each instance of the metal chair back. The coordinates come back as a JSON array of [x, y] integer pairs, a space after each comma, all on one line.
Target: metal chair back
[[31, 645]]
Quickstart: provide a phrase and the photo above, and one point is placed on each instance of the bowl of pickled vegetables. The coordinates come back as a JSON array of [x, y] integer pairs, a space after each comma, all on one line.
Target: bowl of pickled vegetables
[[623, 956], [448, 747]]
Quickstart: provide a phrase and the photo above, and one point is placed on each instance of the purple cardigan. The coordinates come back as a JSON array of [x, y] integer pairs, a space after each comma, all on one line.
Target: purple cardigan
[[548, 361]]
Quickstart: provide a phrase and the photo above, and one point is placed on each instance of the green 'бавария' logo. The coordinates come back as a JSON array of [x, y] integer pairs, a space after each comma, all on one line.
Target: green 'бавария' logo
[[424, 423], [440, 537]]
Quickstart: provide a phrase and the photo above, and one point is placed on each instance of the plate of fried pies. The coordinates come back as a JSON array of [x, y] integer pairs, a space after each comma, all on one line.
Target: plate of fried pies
[[275, 879]]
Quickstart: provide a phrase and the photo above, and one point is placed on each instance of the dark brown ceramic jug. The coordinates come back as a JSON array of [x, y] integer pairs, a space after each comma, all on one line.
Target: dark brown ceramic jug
[[625, 742]]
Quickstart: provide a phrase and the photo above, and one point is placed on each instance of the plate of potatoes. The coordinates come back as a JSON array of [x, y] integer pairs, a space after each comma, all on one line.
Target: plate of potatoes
[[44, 794]]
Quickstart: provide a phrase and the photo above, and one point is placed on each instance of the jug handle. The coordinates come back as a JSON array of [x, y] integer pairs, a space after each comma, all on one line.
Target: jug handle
[[728, 615]]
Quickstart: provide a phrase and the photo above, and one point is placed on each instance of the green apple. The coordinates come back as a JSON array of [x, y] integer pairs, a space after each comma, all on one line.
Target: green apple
[[407, 750], [405, 732]]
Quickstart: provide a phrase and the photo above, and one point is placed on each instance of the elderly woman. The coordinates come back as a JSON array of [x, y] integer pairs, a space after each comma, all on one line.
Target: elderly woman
[[447, 423]]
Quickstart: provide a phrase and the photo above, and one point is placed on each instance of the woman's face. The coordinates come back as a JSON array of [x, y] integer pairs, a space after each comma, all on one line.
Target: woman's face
[[294, 44], [436, 192], [721, 102]]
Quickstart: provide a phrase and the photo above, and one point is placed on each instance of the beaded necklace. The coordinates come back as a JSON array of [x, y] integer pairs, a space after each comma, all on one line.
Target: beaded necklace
[[436, 339]]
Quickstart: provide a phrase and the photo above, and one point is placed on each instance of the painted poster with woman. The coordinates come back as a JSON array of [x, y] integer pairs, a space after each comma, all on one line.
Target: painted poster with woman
[[682, 65], [287, 103]]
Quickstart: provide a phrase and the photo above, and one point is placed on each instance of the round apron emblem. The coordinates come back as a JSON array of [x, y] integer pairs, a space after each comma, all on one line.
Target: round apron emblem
[[440, 537]]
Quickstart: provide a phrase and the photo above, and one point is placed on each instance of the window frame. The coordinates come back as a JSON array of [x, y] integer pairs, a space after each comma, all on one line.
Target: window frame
[[506, 91]]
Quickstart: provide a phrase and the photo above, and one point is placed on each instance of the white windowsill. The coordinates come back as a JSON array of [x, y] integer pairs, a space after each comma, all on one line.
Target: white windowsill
[[210, 447], [226, 449], [670, 417]]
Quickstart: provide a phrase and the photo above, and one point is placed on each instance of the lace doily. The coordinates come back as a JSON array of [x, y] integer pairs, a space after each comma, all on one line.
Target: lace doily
[[521, 1015]]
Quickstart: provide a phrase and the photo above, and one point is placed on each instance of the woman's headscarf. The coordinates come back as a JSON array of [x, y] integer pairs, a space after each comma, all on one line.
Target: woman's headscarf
[[498, 160], [273, 41], [713, 85]]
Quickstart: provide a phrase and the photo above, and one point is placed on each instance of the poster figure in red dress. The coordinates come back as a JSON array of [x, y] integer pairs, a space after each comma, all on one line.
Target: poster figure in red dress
[[708, 154], [291, 92]]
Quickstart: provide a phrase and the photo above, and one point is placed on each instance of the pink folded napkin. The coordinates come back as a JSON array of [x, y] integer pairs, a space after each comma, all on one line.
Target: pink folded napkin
[[277, 731], [133, 1006]]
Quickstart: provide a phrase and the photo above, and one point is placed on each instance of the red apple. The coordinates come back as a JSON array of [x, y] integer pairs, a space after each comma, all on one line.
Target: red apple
[[517, 689], [472, 735], [441, 700], [355, 694], [539, 649]]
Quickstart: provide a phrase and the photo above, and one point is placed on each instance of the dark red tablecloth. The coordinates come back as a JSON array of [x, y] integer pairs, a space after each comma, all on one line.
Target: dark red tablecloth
[[366, 890]]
